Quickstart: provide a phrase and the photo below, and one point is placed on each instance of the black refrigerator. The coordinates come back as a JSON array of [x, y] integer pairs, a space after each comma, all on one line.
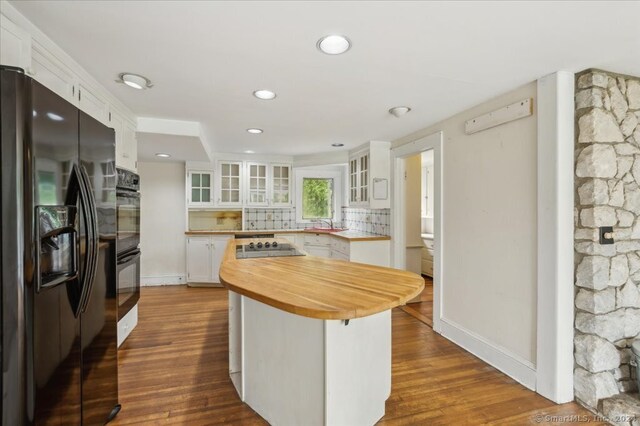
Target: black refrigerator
[[58, 259]]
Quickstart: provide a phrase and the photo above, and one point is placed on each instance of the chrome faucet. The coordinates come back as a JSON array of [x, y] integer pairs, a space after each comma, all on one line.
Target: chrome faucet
[[328, 222]]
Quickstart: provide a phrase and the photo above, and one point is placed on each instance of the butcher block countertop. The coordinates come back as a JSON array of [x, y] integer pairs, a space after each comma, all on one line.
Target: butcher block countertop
[[344, 235], [316, 287]]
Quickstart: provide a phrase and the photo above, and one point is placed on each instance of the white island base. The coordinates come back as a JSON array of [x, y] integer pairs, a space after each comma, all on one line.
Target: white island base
[[294, 370]]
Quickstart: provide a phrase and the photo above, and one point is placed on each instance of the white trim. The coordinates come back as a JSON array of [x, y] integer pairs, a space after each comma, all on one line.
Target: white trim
[[398, 242], [509, 363], [555, 236], [163, 280]]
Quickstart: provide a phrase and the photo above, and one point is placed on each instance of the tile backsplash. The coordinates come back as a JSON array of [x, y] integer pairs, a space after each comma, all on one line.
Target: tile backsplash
[[374, 221], [365, 220], [260, 219]]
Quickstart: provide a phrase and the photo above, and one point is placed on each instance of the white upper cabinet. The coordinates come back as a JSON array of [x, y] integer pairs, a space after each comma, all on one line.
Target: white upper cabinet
[[239, 184], [126, 142], [130, 153], [257, 184], [280, 185], [15, 45], [53, 74], [93, 104], [200, 188], [229, 179], [369, 175]]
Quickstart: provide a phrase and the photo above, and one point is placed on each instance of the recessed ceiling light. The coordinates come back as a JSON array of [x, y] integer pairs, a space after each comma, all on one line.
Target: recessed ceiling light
[[334, 44], [134, 80], [55, 117], [162, 155], [337, 145], [264, 94], [399, 110], [249, 152], [254, 131]]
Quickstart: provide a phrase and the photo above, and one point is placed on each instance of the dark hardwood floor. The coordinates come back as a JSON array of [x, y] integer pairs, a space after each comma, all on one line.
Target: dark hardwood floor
[[173, 370]]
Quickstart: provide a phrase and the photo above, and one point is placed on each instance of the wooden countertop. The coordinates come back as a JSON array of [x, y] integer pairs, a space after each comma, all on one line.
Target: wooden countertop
[[344, 235], [316, 287]]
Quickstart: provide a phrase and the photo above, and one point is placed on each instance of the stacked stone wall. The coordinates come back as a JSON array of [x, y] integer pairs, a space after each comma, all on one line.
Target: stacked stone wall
[[607, 194]]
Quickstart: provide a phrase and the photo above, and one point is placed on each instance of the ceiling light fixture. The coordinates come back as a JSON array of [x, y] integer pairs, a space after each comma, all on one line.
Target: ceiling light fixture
[[55, 117], [134, 80], [162, 155], [264, 94], [248, 151], [333, 44], [337, 145], [254, 131], [399, 111]]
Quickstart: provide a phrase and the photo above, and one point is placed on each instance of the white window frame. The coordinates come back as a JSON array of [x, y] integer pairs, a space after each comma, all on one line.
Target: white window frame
[[300, 174]]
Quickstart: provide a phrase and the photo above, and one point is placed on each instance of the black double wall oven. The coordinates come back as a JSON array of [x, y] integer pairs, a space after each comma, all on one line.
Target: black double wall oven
[[128, 243]]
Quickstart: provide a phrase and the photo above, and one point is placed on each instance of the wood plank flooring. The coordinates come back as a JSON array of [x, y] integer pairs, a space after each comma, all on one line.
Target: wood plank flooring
[[173, 371]]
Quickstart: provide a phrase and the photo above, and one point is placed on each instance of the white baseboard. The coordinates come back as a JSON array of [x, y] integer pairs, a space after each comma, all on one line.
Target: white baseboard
[[163, 280], [512, 365]]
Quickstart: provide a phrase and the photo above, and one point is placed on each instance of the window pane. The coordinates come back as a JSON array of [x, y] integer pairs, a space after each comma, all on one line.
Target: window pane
[[276, 171], [195, 195], [206, 180], [225, 170], [263, 171], [235, 170], [235, 183], [235, 196], [317, 198], [285, 172], [206, 195], [225, 196], [195, 180]]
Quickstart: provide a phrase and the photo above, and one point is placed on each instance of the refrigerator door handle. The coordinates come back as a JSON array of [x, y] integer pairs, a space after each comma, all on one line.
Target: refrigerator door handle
[[56, 259], [92, 248]]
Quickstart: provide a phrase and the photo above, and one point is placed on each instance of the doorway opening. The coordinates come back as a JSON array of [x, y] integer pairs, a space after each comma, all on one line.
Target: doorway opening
[[417, 221], [419, 214]]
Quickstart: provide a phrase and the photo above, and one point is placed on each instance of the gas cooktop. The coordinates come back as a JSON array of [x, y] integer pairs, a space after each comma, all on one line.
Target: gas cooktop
[[257, 249]]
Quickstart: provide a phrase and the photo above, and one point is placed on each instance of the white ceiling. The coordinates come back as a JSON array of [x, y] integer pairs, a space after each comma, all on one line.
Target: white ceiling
[[439, 58]]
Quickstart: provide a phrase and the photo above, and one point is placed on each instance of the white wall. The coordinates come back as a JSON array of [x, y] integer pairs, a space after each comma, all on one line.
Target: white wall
[[162, 239], [412, 223], [427, 191], [489, 235]]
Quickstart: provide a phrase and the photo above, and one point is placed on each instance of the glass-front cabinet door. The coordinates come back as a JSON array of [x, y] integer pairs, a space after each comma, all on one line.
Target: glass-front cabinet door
[[230, 190], [364, 179], [200, 188], [257, 184], [281, 185], [353, 181]]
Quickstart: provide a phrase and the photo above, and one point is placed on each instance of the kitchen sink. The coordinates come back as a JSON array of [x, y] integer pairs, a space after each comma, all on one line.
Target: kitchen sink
[[326, 230]]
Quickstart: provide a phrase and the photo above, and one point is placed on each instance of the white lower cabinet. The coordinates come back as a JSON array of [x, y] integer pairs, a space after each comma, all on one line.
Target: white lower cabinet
[[127, 324], [427, 257], [293, 238], [371, 252], [317, 245], [204, 256]]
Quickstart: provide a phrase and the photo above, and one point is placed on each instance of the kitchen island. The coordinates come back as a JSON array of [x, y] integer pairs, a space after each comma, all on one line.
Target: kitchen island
[[310, 337]]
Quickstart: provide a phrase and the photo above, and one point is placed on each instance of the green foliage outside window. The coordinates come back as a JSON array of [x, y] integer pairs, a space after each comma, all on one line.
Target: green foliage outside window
[[317, 198]]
